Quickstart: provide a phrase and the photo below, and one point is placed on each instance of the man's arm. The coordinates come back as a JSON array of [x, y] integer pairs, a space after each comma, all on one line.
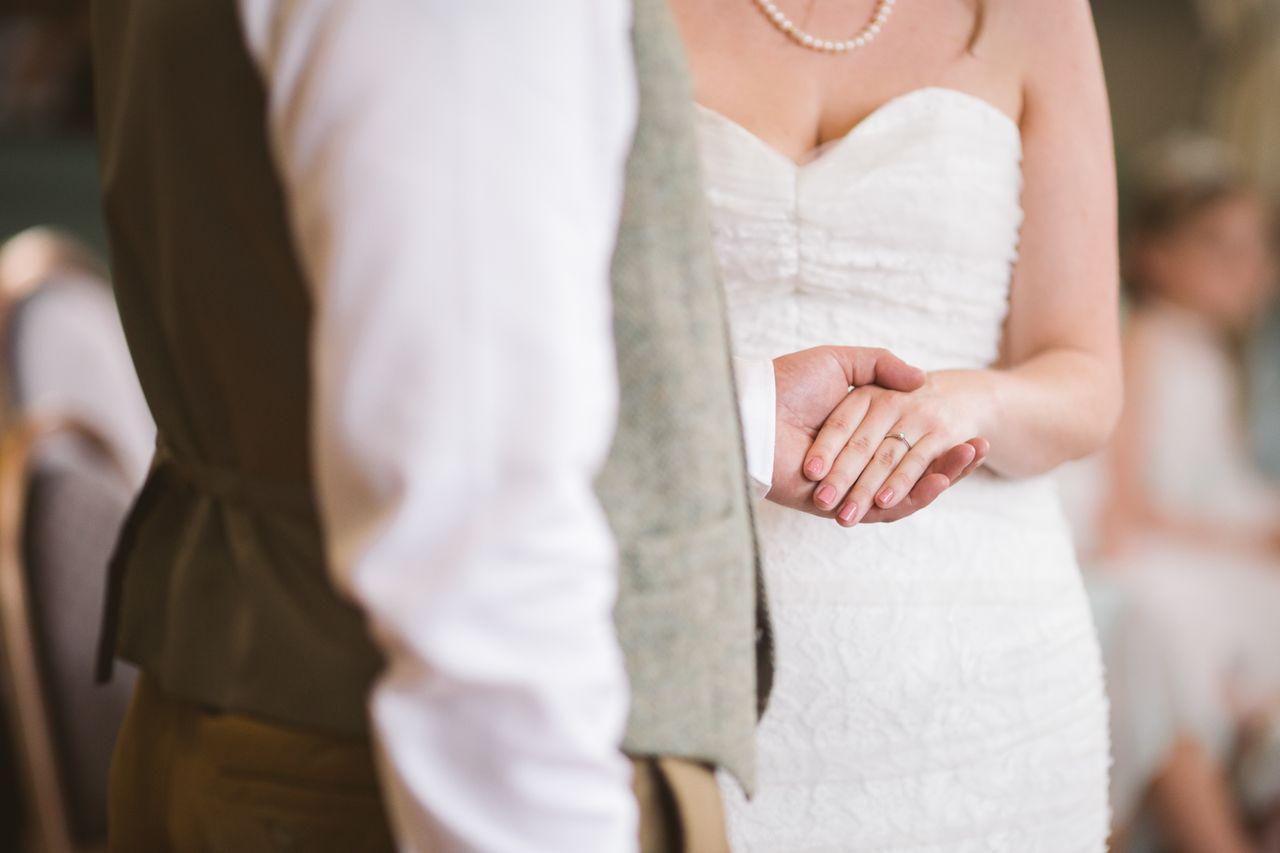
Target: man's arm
[[454, 174]]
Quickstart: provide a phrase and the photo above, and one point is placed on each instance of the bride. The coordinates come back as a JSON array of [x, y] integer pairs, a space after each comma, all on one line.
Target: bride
[[941, 184]]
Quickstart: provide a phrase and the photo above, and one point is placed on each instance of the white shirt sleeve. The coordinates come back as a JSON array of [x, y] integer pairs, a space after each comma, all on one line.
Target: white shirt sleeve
[[757, 407], [454, 171]]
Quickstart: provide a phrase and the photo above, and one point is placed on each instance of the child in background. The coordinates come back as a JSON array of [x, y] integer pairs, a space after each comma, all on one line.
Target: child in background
[[1189, 529]]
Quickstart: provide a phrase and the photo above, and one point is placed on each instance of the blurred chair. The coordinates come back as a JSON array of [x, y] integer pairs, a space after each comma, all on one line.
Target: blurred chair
[[63, 494], [75, 440]]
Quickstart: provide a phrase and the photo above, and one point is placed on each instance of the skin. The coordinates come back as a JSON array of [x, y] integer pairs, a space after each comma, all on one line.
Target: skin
[[1219, 265], [809, 384], [1192, 801], [1055, 394]]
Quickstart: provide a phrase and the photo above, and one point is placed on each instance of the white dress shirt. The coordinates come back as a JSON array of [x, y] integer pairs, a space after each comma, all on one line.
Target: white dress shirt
[[757, 404], [455, 174]]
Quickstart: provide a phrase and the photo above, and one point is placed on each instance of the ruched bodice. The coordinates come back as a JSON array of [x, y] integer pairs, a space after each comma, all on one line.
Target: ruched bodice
[[902, 233], [938, 683]]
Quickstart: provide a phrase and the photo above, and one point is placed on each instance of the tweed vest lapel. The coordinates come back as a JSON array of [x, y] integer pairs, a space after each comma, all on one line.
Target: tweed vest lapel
[[675, 487]]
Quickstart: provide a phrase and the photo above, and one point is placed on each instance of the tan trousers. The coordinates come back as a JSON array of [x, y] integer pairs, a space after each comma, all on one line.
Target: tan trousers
[[187, 779], [680, 807]]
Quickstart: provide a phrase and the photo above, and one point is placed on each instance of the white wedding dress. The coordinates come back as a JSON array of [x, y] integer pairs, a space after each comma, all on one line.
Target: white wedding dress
[[938, 682]]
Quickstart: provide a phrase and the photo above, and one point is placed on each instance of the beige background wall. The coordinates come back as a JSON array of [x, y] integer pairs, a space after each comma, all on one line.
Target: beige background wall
[[1155, 60]]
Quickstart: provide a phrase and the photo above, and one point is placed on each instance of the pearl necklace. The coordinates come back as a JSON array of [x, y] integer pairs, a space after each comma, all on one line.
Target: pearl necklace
[[800, 37]]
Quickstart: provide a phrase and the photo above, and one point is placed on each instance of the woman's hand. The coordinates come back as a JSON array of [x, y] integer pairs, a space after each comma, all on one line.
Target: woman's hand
[[864, 468], [809, 385]]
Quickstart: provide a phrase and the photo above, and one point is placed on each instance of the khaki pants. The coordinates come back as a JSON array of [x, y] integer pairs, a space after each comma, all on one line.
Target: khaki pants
[[680, 807], [187, 779]]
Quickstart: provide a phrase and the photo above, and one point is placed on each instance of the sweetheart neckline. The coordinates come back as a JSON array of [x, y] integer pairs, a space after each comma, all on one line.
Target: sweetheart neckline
[[819, 153]]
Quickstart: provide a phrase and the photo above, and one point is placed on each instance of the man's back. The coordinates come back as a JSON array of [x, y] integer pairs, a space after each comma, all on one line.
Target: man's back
[[225, 596]]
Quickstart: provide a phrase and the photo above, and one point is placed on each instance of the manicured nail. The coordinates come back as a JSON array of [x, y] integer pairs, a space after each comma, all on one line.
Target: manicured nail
[[885, 497], [814, 466], [850, 510], [826, 495]]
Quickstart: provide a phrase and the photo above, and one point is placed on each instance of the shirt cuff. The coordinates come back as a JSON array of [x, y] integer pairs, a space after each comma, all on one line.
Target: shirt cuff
[[758, 411]]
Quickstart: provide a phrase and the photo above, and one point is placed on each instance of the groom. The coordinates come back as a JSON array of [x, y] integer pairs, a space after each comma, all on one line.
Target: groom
[[361, 251]]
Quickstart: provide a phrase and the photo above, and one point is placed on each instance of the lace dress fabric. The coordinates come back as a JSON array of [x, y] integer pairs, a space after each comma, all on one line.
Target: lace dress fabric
[[938, 683]]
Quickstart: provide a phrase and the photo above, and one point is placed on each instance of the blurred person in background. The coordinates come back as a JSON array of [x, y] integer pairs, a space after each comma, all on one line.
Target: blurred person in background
[[1189, 529], [45, 76]]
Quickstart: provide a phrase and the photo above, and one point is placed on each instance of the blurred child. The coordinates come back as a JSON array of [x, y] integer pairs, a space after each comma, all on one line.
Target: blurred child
[[1189, 528]]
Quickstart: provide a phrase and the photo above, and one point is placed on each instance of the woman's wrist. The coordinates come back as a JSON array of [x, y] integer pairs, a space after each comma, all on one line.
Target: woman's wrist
[[970, 398]]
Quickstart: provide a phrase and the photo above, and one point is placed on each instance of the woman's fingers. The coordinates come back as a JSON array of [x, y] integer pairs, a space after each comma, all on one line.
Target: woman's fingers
[[835, 434], [885, 458], [930, 486], [857, 453], [944, 472], [914, 465]]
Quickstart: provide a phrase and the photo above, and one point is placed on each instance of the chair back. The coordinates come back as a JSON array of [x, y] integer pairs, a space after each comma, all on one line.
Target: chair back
[[75, 443], [63, 496]]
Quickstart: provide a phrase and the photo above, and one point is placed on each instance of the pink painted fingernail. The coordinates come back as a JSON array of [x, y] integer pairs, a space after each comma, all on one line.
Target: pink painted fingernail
[[885, 497], [850, 510], [826, 495], [814, 466]]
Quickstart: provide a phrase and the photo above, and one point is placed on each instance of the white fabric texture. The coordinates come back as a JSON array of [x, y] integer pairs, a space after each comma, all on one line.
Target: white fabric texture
[[458, 242], [938, 684]]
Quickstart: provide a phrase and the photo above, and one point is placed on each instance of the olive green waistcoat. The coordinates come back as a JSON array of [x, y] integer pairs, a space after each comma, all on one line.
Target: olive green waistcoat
[[225, 597], [222, 590]]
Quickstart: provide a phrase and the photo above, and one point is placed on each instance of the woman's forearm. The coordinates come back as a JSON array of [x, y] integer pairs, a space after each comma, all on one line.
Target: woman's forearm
[[1052, 408], [877, 443]]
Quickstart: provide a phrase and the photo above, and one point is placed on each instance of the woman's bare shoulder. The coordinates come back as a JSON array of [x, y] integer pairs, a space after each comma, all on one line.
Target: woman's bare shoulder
[[1039, 37], [1050, 38], [1037, 17]]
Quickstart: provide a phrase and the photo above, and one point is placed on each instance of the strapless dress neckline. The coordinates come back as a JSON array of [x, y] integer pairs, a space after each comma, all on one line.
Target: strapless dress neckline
[[880, 113]]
